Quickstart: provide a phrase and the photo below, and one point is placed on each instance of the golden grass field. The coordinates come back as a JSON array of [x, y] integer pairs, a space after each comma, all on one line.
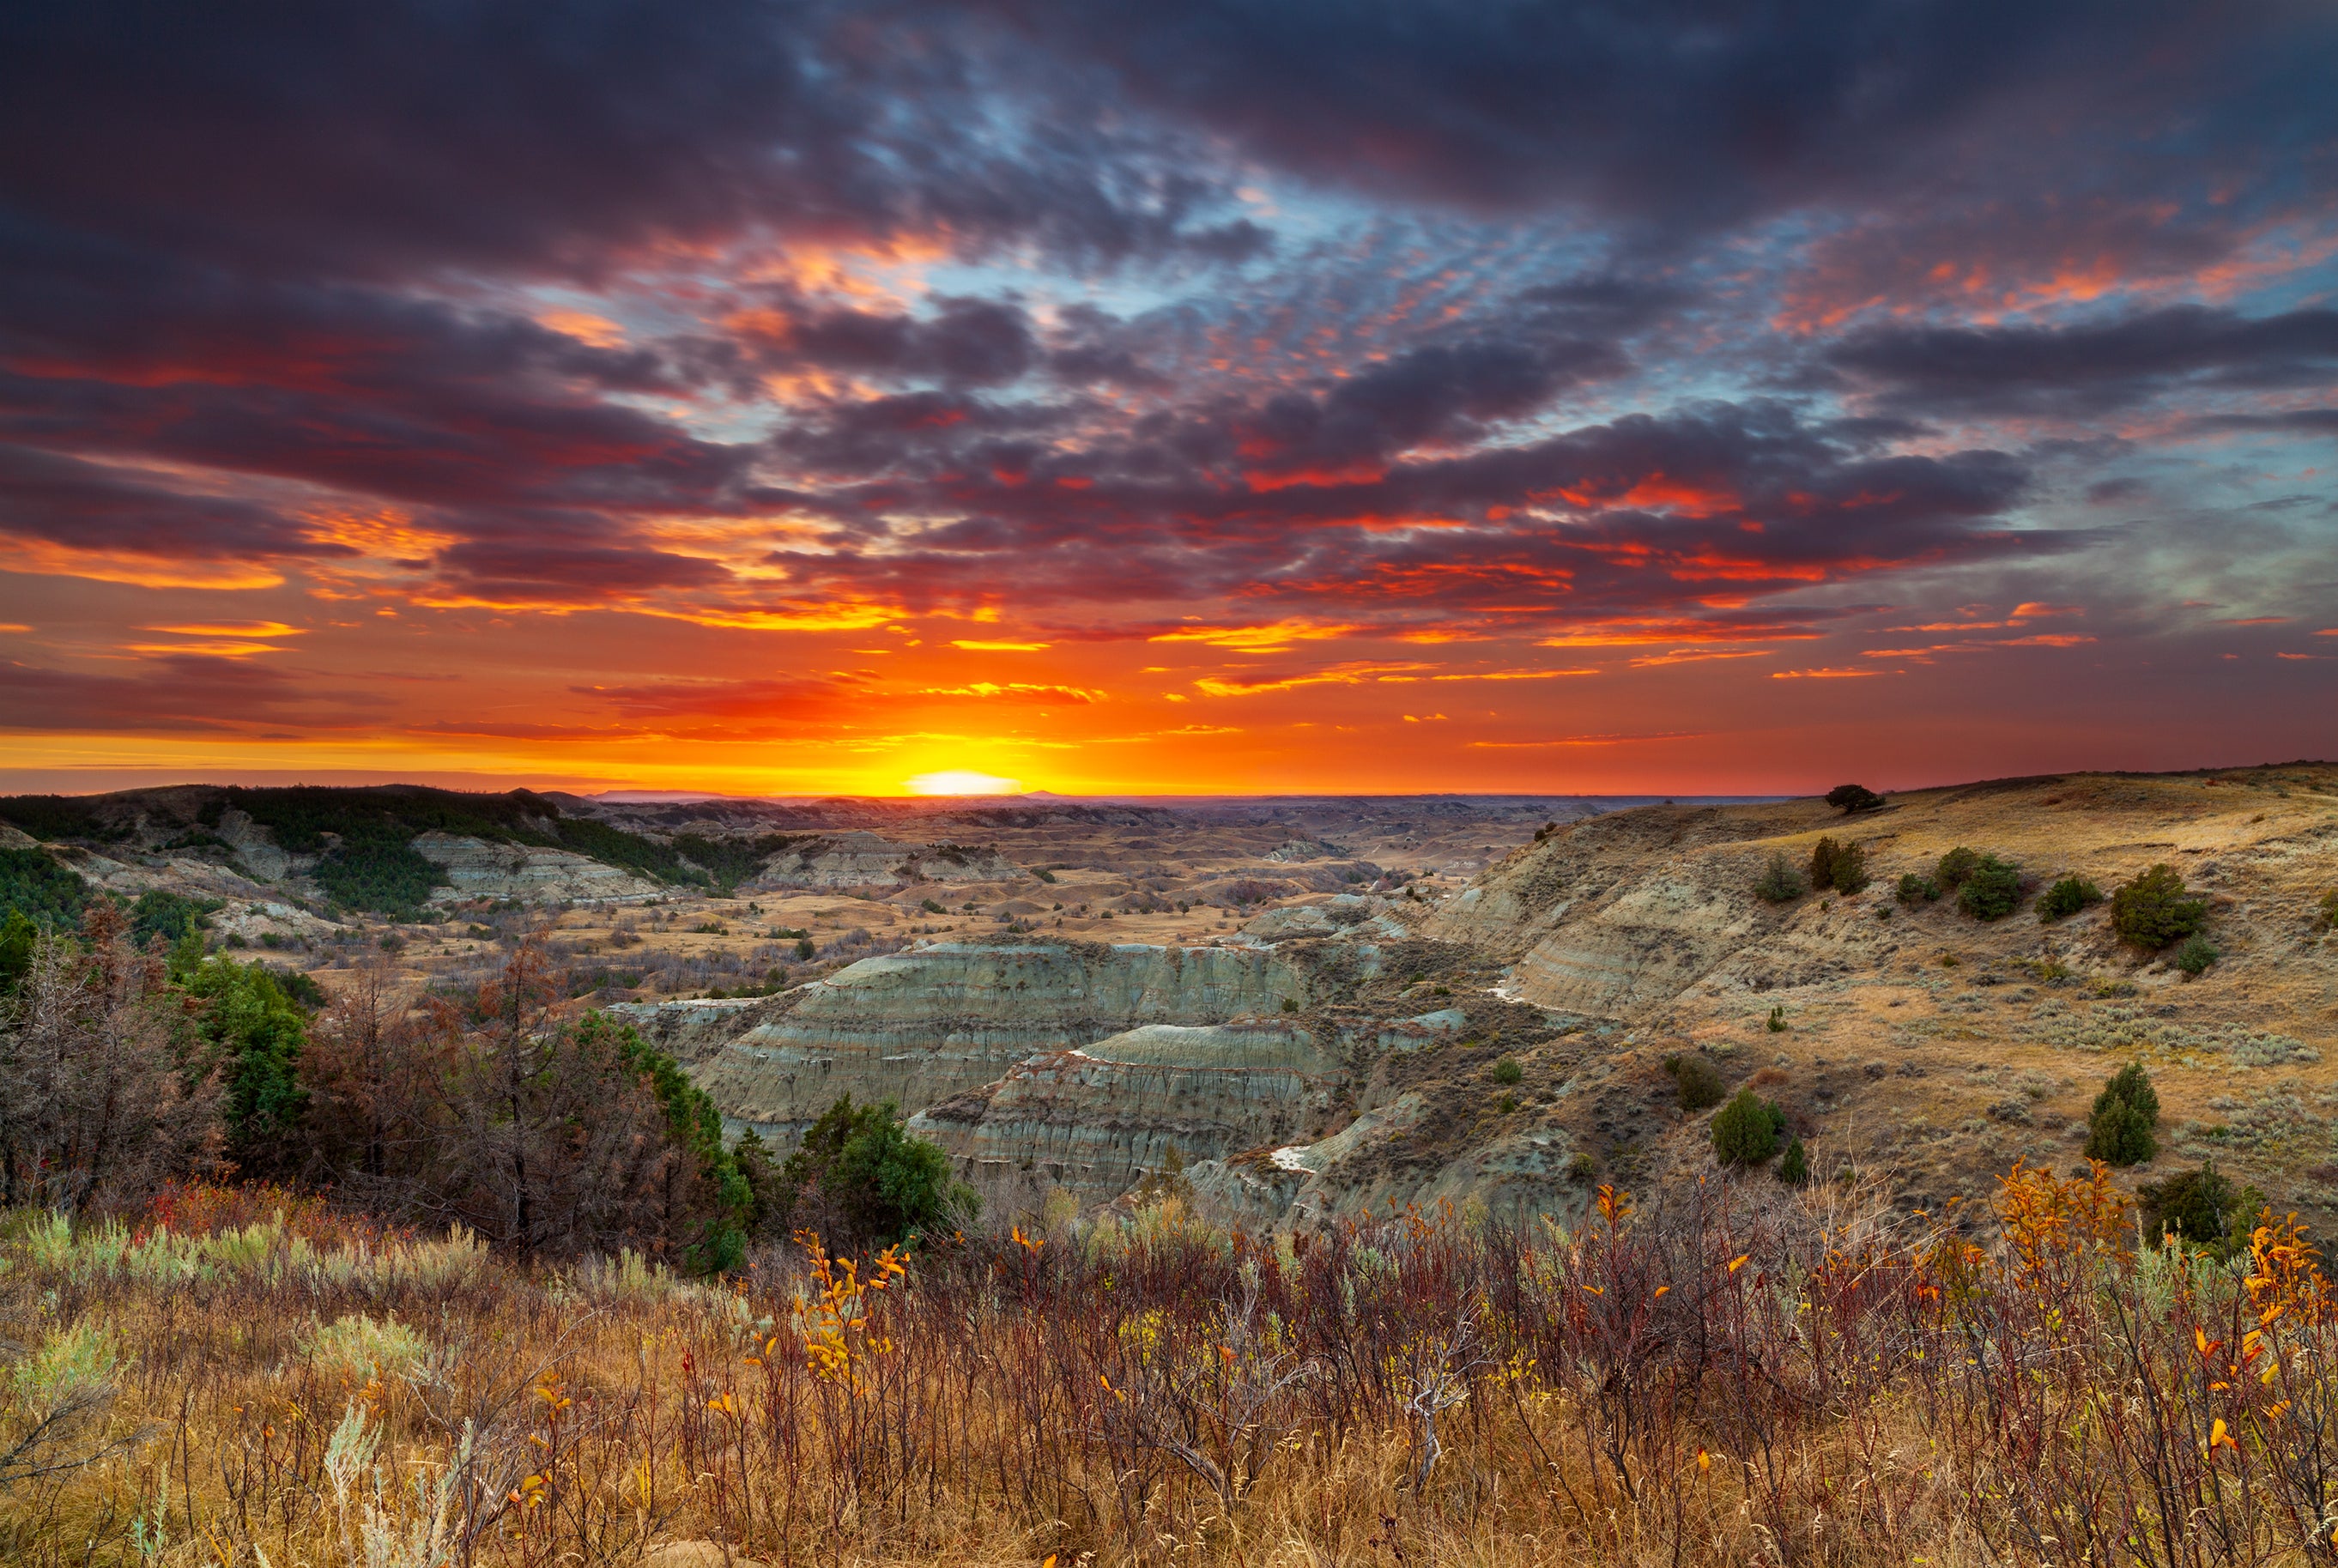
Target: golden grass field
[[1748, 1372]]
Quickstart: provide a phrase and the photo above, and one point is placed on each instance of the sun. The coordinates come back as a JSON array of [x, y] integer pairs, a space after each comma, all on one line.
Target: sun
[[963, 782]]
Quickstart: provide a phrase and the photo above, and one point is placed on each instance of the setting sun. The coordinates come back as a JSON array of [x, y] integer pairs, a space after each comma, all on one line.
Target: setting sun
[[962, 781]]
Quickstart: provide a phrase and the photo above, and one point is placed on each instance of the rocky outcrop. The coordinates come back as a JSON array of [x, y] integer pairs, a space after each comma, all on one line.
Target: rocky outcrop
[[1096, 1120], [920, 1026], [530, 872], [862, 860]]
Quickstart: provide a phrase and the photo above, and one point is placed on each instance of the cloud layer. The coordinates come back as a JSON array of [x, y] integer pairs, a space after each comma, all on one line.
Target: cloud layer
[[845, 390]]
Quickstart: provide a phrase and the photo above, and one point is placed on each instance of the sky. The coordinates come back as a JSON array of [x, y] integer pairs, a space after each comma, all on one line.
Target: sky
[[772, 397]]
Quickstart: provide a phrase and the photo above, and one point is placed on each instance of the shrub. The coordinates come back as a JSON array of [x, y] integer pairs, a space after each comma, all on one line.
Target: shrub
[[1777, 1024], [1853, 799], [1508, 1070], [1291, 1004], [931, 906], [1850, 869], [2154, 909], [1781, 884], [1991, 890], [1913, 888], [2120, 1126], [2195, 954], [1044, 875], [2066, 897], [804, 949], [874, 1183], [1795, 1169], [2328, 908], [2201, 1207], [1695, 1083], [1842, 866], [1956, 866], [1745, 1131]]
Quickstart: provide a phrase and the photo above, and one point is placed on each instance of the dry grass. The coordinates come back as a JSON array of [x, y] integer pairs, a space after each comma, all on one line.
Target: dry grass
[[1750, 1375]]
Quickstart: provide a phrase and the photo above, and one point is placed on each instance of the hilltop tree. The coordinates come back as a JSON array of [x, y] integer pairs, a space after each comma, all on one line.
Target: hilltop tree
[[1853, 799]]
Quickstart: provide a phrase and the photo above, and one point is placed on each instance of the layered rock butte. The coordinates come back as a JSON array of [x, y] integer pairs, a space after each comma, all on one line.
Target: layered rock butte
[[1341, 1054]]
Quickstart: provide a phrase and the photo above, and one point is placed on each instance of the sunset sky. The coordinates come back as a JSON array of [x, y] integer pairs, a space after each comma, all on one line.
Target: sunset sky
[[1306, 396]]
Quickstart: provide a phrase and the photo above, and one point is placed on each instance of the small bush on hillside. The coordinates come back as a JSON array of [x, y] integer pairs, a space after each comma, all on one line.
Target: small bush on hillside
[[1991, 890], [1508, 1070], [2194, 955], [1745, 1131], [1795, 1169], [1777, 1024], [863, 1180], [2065, 899], [1695, 1083], [2154, 909], [1847, 868], [1955, 866], [2330, 911], [2119, 1129], [1781, 884], [1913, 888], [2201, 1207], [1853, 799]]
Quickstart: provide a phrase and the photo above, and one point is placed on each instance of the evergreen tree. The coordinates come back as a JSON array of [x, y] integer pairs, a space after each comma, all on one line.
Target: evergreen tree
[[2119, 1128], [1745, 1131]]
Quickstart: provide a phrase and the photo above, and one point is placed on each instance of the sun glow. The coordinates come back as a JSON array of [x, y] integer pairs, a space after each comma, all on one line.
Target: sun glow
[[962, 781]]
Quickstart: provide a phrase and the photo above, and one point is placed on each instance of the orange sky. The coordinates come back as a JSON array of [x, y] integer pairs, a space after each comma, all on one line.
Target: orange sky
[[802, 400]]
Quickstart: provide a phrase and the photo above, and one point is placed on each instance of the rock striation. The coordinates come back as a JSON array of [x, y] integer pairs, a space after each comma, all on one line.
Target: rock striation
[[1096, 1120], [923, 1025], [864, 859]]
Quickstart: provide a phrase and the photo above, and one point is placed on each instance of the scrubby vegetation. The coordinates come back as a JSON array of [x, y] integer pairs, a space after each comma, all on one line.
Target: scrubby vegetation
[[1842, 866], [1987, 887], [861, 1180], [1913, 888], [1696, 1083], [2154, 909], [1779, 883], [2122, 1127], [2201, 1207], [1738, 1372], [1746, 1131], [2068, 896], [2194, 954]]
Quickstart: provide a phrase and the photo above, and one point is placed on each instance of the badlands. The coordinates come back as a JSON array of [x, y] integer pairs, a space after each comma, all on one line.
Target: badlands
[[1294, 1011]]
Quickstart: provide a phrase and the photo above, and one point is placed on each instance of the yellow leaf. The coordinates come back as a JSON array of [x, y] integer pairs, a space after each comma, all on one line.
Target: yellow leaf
[[1739, 1261]]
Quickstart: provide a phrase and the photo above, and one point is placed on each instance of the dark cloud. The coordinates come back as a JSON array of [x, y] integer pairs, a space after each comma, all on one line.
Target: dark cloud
[[2093, 367], [92, 506], [383, 140], [1699, 112]]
